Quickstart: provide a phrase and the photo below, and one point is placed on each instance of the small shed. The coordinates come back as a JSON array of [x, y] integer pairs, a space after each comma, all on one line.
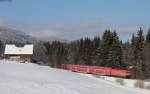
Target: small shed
[[19, 53]]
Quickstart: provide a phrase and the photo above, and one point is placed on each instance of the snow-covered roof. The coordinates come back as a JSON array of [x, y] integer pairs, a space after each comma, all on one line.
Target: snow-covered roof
[[12, 49]]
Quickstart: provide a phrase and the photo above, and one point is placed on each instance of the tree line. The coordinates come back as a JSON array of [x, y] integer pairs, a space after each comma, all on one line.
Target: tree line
[[106, 51]]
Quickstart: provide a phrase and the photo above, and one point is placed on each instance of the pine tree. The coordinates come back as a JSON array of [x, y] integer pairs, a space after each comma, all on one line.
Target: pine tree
[[140, 39], [133, 40], [96, 51], [138, 56], [115, 53], [105, 47], [148, 36]]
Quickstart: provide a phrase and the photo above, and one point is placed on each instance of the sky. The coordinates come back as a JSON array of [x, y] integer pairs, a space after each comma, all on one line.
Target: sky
[[73, 19]]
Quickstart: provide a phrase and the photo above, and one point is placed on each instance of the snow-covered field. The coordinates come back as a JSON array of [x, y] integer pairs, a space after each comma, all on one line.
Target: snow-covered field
[[28, 78], [127, 82]]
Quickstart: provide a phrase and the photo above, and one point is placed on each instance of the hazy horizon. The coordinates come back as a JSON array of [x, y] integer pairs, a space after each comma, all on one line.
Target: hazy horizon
[[73, 19]]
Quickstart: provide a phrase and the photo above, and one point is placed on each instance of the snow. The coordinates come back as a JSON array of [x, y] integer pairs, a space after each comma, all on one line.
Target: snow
[[28, 78], [11, 49], [127, 82]]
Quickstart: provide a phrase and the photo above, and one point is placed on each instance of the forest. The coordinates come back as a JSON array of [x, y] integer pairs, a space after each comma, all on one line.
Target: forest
[[106, 51]]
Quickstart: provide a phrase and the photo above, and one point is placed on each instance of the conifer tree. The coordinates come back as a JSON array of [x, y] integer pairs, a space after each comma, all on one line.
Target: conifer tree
[[115, 53], [148, 36], [138, 56]]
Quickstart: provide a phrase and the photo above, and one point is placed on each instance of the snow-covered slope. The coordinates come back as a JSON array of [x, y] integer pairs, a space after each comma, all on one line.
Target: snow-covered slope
[[127, 82], [9, 34], [28, 78]]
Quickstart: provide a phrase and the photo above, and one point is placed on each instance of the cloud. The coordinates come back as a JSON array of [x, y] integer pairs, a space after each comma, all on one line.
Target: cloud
[[44, 33], [125, 28], [73, 30], [131, 29], [68, 30], [78, 26]]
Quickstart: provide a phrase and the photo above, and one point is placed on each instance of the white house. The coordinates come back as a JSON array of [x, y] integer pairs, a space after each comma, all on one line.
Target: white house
[[23, 53]]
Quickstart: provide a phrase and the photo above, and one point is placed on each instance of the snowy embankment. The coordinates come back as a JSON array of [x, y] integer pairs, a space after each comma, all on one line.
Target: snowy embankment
[[131, 83], [28, 78]]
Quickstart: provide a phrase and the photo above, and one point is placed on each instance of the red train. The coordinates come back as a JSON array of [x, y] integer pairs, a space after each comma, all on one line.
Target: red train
[[96, 70]]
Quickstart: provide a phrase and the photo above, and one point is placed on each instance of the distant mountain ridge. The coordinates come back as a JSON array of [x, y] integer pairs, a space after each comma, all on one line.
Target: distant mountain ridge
[[8, 34]]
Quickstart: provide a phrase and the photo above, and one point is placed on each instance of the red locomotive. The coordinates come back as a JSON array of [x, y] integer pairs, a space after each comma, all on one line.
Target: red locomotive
[[96, 70]]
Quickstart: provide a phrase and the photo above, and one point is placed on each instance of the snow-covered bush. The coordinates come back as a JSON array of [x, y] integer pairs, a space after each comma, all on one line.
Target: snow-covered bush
[[147, 87], [139, 84], [120, 81]]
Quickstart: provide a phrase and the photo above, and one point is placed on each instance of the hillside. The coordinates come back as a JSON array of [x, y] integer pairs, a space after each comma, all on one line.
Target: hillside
[[8, 34], [28, 78]]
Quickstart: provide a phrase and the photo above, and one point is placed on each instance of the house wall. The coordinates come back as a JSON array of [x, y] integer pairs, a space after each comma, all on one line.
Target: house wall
[[20, 57], [26, 58], [14, 58]]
